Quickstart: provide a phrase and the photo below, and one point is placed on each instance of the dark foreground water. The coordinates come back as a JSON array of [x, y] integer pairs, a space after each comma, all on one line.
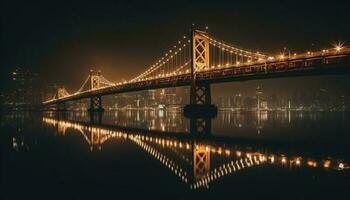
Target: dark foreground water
[[158, 155]]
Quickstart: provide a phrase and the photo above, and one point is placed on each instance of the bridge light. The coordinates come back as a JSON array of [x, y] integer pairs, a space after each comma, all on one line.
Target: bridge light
[[338, 48]]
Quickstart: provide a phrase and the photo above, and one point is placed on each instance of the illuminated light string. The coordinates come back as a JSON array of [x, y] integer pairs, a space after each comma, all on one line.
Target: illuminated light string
[[82, 86], [168, 56], [224, 170], [162, 158], [157, 67], [225, 46]]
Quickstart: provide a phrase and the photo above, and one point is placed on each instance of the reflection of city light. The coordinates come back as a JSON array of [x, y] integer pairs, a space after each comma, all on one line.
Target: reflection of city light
[[284, 160], [311, 163], [219, 150], [327, 164]]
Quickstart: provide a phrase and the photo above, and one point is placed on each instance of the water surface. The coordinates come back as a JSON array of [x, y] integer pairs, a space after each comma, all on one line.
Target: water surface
[[157, 154]]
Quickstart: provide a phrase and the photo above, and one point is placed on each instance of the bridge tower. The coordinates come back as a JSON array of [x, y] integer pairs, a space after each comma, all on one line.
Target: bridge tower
[[61, 92], [95, 83], [201, 161], [200, 109]]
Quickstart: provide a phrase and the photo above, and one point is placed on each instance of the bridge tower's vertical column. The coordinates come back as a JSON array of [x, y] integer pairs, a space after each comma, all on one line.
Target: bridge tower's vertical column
[[95, 101], [200, 109], [95, 79], [200, 60], [201, 161], [61, 106]]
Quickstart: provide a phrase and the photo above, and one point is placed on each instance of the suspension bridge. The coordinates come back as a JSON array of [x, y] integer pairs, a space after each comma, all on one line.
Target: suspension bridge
[[199, 60]]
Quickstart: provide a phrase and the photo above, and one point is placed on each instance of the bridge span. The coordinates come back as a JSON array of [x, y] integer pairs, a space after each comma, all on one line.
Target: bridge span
[[199, 60]]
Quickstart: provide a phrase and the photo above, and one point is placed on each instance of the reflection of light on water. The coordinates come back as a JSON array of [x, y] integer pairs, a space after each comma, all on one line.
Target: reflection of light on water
[[241, 158], [161, 113], [289, 116], [116, 114]]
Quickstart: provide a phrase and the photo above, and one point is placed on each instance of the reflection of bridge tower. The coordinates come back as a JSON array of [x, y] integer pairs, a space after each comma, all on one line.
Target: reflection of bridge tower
[[201, 161], [61, 128], [95, 83], [200, 126], [95, 138]]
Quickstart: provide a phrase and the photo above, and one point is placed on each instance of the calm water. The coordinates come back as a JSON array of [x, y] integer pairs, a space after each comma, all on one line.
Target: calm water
[[157, 155]]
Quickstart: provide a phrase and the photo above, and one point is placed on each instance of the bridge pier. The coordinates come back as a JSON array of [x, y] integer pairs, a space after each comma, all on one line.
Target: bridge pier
[[96, 104], [200, 106], [61, 106], [96, 117], [200, 126]]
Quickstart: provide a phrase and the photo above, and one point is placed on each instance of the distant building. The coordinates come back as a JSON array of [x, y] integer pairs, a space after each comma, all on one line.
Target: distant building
[[26, 89]]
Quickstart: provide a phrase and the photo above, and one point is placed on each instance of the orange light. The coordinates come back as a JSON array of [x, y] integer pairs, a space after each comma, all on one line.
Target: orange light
[[327, 164]]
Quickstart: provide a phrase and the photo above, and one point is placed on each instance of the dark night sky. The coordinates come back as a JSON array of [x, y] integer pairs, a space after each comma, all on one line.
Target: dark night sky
[[62, 40]]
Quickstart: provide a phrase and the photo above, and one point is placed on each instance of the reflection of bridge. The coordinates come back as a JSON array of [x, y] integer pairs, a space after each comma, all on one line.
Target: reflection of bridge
[[196, 161], [199, 60]]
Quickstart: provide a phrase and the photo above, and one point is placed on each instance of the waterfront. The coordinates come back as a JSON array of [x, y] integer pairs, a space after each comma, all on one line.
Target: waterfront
[[154, 155]]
